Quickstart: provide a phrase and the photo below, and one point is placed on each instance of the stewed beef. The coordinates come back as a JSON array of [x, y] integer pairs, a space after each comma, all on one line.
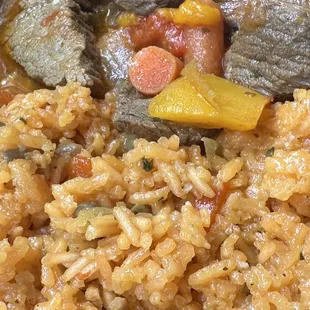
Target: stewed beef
[[54, 41], [116, 52], [145, 7], [234, 10], [271, 51]]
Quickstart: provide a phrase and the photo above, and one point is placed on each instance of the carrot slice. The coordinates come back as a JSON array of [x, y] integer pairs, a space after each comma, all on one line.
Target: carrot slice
[[152, 69]]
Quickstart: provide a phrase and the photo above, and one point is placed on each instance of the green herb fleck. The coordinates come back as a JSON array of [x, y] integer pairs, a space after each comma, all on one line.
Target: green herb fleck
[[270, 152], [301, 256], [147, 164], [299, 20], [2, 124], [225, 268], [256, 75], [23, 120]]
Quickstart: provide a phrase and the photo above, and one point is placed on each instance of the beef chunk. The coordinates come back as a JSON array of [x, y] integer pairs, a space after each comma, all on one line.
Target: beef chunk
[[131, 116], [54, 42], [234, 10], [116, 52], [271, 51], [145, 7]]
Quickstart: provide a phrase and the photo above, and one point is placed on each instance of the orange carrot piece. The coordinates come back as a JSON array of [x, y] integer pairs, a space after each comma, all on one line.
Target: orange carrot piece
[[152, 69], [80, 166]]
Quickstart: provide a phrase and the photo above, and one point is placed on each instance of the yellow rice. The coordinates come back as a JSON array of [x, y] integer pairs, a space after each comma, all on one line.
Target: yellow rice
[[254, 254]]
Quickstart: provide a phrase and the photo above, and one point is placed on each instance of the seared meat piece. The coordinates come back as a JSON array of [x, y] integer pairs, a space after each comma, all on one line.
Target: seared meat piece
[[131, 116], [86, 5], [116, 52], [54, 42], [271, 51], [234, 10], [145, 7]]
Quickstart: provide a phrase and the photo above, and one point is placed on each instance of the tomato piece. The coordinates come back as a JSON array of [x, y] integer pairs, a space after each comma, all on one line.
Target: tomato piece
[[158, 31], [214, 204], [80, 166]]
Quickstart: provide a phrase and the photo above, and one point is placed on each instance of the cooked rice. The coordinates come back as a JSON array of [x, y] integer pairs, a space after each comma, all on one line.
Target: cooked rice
[[253, 252]]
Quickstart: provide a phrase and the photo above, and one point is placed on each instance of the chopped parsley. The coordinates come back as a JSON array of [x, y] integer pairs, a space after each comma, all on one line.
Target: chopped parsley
[[299, 20], [147, 164], [256, 75], [2, 124], [270, 152]]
